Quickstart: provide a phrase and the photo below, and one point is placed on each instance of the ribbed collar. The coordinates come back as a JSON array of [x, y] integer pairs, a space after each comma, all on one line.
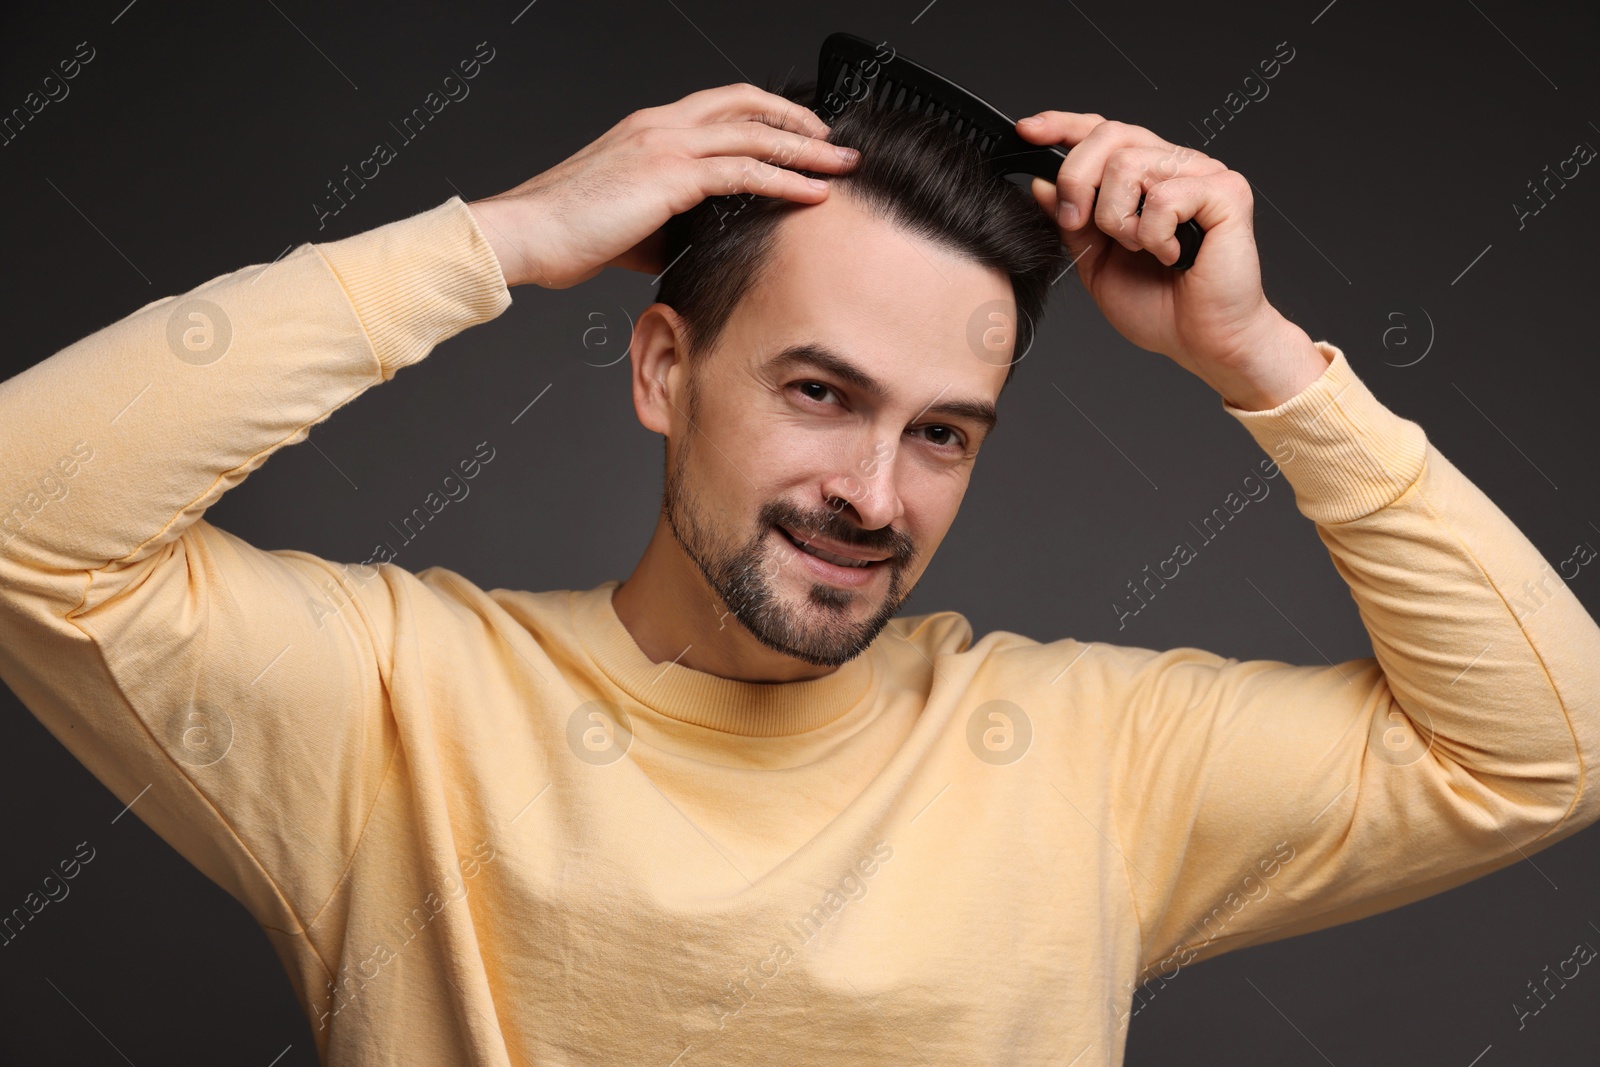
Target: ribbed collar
[[752, 709]]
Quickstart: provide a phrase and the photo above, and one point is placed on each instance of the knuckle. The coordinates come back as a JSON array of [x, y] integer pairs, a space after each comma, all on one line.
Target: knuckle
[[757, 173], [753, 131], [1072, 182], [1172, 166], [1124, 159], [1107, 217], [793, 147], [720, 168], [735, 174], [649, 139], [1162, 197], [642, 116]]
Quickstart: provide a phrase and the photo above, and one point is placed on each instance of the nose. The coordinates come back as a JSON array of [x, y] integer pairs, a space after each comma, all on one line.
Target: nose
[[865, 486]]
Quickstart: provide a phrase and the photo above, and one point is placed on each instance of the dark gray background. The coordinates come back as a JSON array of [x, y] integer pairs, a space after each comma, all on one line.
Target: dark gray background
[[1386, 158]]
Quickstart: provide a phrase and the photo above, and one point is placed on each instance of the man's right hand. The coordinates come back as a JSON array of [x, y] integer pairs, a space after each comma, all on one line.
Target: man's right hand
[[606, 205]]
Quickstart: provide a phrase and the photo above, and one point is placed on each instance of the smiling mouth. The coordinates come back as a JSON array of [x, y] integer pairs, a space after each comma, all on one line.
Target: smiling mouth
[[830, 557]]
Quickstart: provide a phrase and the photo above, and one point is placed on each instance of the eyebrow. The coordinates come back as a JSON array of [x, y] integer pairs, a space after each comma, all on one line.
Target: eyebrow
[[818, 355]]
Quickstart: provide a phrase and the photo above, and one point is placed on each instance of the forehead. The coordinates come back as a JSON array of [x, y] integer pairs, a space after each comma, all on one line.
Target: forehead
[[897, 302]]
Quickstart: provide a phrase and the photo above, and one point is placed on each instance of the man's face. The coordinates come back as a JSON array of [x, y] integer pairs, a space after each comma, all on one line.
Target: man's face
[[770, 445]]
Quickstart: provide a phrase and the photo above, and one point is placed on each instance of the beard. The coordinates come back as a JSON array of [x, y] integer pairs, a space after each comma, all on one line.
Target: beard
[[818, 628]]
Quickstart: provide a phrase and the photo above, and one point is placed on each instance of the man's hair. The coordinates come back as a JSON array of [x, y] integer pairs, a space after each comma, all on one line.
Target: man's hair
[[915, 172]]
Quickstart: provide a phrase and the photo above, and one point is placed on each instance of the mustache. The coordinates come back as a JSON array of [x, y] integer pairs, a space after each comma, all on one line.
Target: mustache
[[828, 525]]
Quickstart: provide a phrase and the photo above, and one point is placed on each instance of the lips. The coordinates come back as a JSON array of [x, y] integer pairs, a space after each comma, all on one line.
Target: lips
[[832, 557]]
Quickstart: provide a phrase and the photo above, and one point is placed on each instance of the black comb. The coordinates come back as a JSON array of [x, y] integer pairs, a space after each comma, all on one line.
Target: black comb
[[852, 70]]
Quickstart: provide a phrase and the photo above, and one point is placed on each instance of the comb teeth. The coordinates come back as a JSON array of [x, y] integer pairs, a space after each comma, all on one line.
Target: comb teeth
[[900, 84], [904, 91], [901, 96]]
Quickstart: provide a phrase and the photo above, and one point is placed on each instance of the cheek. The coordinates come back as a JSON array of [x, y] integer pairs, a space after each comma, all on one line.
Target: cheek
[[792, 467], [932, 503]]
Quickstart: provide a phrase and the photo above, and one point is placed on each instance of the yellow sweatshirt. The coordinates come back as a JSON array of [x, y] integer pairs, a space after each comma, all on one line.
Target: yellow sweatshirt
[[482, 827]]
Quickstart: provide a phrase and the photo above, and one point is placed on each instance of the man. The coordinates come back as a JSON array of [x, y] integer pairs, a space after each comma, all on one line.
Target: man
[[733, 810]]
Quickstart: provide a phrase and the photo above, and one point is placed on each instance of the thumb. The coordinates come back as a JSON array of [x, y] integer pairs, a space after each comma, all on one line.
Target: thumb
[[1086, 244]]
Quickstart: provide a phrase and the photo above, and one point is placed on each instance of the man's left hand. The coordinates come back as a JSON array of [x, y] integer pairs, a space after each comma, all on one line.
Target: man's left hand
[[1212, 319]]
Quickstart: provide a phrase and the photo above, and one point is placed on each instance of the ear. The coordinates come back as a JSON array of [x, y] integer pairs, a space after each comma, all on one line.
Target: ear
[[659, 370]]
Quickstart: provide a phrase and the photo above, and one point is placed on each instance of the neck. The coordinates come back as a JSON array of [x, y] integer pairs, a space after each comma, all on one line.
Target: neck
[[673, 615]]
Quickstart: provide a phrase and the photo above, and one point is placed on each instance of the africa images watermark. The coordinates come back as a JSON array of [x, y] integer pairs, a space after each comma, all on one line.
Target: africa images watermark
[[339, 590], [404, 932], [741, 990], [1568, 169], [1253, 889], [1185, 553], [55, 890], [52, 486], [54, 90], [1255, 90], [856, 85], [1527, 1007], [1537, 592], [383, 153]]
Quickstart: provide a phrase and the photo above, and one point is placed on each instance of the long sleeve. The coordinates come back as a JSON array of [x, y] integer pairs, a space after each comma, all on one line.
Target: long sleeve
[[235, 697], [1256, 800]]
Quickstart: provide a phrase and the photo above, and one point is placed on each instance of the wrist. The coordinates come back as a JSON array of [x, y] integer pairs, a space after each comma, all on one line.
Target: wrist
[[1277, 366], [490, 217]]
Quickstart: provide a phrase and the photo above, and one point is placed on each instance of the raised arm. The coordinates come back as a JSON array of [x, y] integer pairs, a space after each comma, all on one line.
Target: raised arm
[[1257, 800], [200, 678], [239, 698]]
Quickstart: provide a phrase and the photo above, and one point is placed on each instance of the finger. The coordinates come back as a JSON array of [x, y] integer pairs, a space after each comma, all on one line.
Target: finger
[[776, 148], [1087, 246], [1130, 173], [1081, 171], [742, 101], [727, 175], [1058, 127], [1212, 200]]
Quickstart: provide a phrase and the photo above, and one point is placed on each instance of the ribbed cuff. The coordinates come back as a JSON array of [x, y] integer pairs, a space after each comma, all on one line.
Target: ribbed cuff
[[1345, 454], [419, 281]]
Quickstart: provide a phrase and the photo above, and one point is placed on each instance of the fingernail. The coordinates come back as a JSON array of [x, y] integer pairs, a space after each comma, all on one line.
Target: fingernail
[[1067, 214], [817, 183], [1031, 120], [847, 154]]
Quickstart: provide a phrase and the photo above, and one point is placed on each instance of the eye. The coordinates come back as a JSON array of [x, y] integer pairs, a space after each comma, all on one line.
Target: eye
[[813, 385], [952, 437]]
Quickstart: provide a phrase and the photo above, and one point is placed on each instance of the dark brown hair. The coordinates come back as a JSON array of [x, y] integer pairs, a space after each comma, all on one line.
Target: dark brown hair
[[914, 172]]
